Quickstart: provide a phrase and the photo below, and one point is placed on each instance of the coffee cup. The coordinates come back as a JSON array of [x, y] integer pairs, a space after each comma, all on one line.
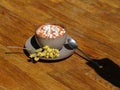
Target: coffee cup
[[52, 35]]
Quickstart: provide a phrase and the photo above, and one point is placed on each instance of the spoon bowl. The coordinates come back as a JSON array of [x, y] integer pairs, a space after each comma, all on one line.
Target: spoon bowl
[[72, 43]]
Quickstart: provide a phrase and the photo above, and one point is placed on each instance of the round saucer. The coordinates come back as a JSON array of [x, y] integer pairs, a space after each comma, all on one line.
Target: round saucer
[[65, 52]]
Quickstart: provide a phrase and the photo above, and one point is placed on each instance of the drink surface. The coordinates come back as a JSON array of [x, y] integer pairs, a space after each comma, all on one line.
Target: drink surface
[[50, 31]]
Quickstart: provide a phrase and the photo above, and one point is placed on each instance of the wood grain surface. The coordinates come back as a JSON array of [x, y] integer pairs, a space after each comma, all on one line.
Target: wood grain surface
[[94, 24]]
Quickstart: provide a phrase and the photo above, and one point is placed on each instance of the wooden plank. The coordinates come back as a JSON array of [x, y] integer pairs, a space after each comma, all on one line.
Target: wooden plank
[[94, 24]]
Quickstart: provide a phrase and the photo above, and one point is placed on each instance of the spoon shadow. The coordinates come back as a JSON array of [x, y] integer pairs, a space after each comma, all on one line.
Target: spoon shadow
[[110, 71]]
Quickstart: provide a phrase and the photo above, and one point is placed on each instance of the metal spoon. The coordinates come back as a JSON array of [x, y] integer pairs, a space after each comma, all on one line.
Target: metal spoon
[[72, 43]]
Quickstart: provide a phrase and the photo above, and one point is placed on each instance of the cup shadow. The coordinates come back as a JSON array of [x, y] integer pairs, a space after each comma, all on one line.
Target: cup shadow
[[110, 71]]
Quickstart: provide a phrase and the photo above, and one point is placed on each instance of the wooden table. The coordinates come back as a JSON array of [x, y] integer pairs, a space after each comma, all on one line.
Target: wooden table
[[94, 24]]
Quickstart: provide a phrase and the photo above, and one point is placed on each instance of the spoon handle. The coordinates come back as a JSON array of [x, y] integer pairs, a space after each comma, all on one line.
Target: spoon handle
[[88, 58]]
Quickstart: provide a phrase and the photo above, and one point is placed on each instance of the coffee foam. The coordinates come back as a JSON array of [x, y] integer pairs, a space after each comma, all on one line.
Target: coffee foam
[[50, 31]]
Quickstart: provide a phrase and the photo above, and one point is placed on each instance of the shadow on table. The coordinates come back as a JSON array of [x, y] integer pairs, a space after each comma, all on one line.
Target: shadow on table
[[109, 71]]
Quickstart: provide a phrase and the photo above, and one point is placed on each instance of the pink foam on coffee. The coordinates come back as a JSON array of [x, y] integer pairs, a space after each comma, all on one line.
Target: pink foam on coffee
[[50, 31]]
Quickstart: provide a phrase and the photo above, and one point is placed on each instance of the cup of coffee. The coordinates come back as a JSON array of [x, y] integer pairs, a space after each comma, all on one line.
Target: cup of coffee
[[52, 35]]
